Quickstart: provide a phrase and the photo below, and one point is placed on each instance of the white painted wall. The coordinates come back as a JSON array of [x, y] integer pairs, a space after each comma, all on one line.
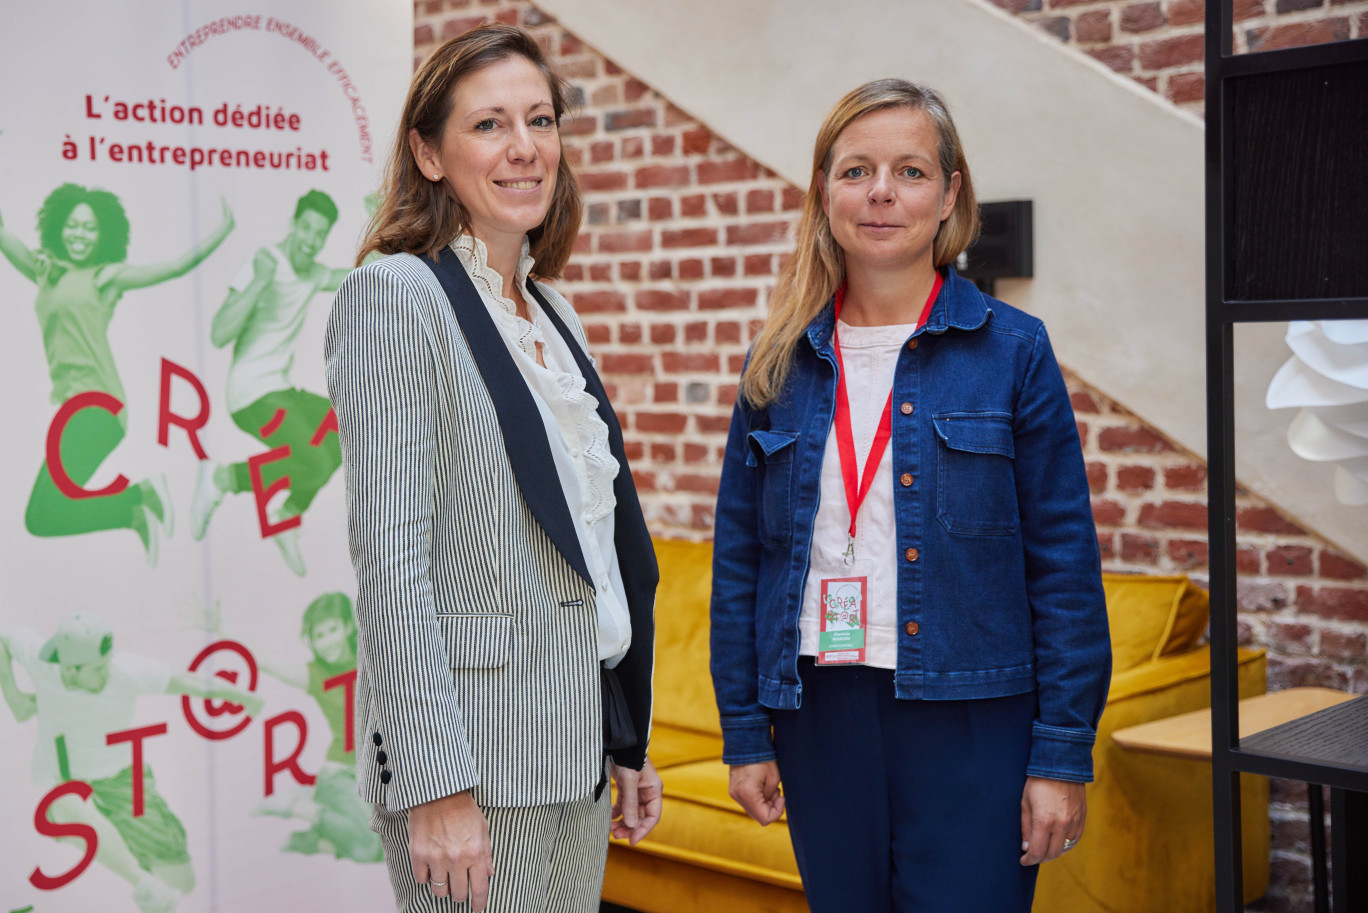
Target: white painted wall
[[1115, 171]]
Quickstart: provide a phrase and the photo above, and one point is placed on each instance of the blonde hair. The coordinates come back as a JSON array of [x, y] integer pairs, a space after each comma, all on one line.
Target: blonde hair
[[419, 216], [817, 266]]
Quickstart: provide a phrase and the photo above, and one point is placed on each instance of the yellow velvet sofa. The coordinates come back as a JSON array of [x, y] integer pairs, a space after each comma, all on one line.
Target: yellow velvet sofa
[[1148, 843]]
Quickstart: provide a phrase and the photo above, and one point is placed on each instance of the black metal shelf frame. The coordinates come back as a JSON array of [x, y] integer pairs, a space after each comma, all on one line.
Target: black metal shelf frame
[[1276, 311], [1349, 795], [1291, 767]]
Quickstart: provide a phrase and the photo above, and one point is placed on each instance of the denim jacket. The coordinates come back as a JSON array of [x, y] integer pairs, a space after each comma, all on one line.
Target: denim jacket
[[997, 553]]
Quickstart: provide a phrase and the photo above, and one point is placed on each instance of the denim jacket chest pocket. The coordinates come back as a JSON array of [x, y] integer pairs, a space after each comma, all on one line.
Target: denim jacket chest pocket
[[976, 482], [770, 453]]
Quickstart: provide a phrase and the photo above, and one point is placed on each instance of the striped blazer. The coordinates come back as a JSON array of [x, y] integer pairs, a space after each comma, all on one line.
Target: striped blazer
[[477, 632]]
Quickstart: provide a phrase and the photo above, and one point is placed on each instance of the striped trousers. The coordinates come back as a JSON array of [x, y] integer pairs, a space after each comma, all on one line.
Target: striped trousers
[[547, 859]]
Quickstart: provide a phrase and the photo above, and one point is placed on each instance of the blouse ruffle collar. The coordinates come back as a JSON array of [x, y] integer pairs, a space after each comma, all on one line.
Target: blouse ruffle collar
[[474, 256], [575, 409]]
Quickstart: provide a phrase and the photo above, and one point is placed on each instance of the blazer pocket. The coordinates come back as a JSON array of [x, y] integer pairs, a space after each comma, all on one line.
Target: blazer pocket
[[976, 484], [476, 641]]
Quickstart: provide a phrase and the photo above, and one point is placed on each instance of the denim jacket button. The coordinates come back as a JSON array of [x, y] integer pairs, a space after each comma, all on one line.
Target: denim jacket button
[[906, 480], [906, 408], [912, 554], [912, 345], [912, 628]]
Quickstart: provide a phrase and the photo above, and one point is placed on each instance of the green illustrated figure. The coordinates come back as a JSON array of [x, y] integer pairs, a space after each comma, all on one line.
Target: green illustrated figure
[[84, 693], [372, 203], [339, 822], [262, 317], [80, 270]]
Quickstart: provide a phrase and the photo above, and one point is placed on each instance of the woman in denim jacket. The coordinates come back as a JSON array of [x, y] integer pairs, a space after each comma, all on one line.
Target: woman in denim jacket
[[908, 625]]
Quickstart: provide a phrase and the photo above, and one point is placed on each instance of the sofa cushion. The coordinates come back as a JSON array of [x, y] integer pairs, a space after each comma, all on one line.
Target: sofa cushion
[[672, 746], [683, 684], [701, 825], [1152, 616]]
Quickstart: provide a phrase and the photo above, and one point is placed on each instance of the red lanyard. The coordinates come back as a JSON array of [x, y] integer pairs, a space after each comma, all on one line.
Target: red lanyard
[[856, 487]]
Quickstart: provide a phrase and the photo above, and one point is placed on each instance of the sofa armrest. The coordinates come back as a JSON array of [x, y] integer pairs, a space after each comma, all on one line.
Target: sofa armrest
[[1167, 687], [1170, 671]]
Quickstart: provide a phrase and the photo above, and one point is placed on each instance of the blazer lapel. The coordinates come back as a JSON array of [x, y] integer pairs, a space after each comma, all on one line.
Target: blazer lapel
[[520, 424], [636, 558]]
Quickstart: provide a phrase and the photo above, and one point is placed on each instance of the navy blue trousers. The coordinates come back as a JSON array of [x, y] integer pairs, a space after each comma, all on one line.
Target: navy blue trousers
[[907, 806]]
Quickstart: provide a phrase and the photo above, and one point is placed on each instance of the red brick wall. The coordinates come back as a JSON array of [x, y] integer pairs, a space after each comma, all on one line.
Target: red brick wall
[[1159, 42], [682, 238]]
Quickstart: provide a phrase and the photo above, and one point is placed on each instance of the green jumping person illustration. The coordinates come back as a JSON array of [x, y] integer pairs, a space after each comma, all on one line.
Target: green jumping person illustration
[[81, 276], [262, 317], [339, 822], [83, 691]]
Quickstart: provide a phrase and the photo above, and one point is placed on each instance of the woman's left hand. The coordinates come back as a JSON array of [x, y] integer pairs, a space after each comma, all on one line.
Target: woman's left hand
[[1052, 812], [636, 801]]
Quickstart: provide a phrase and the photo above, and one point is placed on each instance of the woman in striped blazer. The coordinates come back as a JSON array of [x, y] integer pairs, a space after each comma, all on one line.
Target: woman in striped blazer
[[506, 580]]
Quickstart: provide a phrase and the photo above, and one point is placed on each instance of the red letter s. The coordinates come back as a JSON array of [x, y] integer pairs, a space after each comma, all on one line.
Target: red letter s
[[50, 828]]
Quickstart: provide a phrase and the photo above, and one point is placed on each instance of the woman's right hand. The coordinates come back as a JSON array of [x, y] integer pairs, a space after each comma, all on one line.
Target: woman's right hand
[[449, 848], [755, 787]]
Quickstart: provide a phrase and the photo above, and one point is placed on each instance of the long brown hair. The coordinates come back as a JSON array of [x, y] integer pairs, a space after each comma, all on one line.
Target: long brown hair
[[817, 266], [420, 216]]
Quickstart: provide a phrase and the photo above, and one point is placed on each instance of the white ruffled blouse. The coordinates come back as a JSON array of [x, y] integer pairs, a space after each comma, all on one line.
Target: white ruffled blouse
[[577, 435]]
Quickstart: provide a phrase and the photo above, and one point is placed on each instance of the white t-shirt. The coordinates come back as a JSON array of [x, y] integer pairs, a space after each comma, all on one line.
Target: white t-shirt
[[83, 719], [264, 353], [577, 435], [870, 356]]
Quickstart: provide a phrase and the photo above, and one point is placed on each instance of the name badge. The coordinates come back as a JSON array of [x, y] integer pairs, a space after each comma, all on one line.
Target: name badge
[[841, 631]]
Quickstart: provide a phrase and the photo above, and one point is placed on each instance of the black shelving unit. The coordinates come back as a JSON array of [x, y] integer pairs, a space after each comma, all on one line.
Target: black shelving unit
[[1287, 239]]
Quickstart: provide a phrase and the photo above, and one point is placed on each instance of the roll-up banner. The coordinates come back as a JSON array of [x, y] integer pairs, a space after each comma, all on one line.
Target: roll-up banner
[[182, 187]]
